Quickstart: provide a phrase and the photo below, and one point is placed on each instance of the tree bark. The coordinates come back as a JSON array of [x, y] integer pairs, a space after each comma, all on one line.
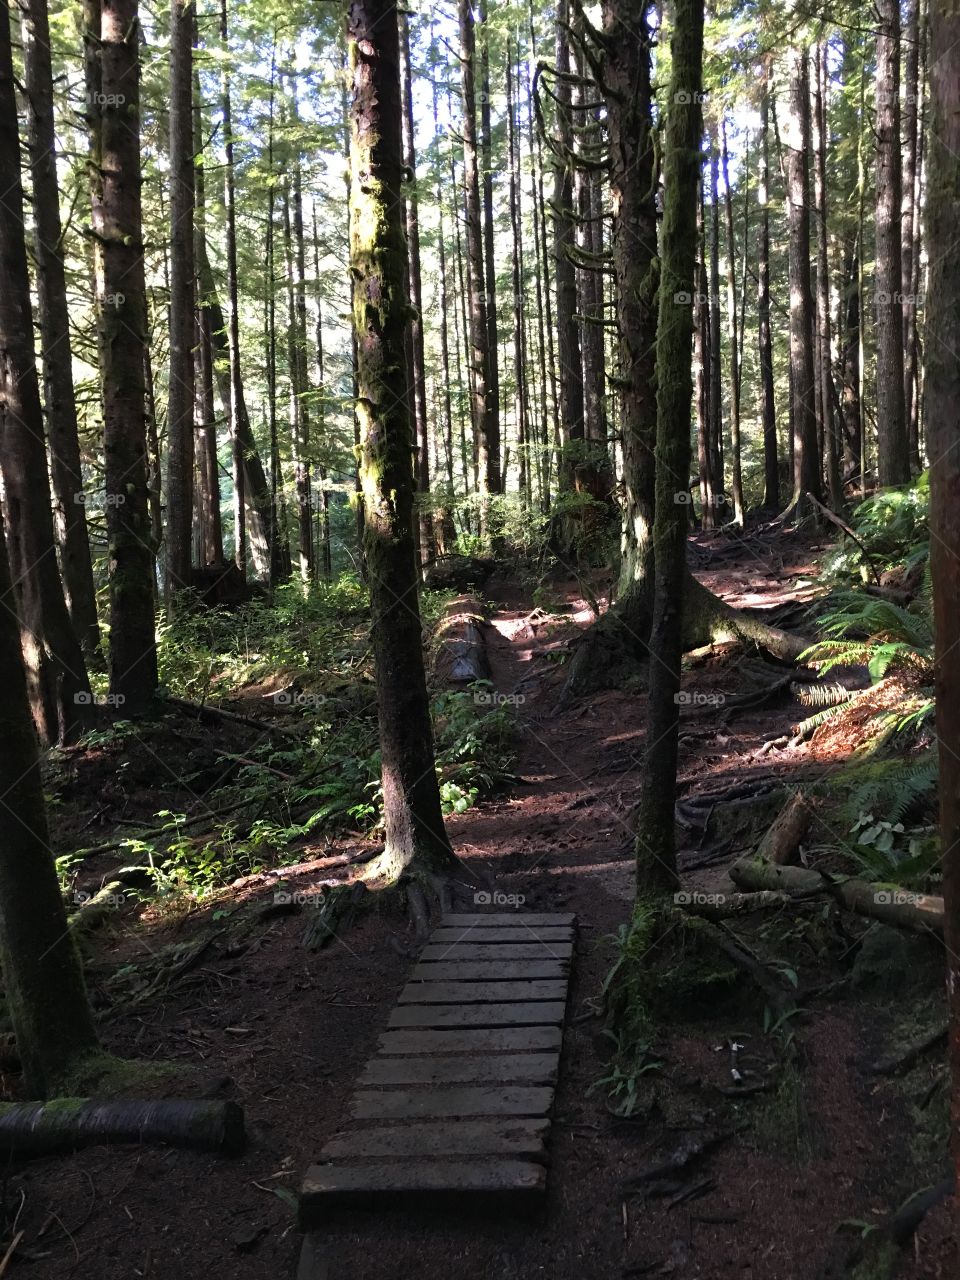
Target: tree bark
[[181, 391], [56, 673], [122, 328], [825, 391], [893, 459], [736, 480], [803, 391], [42, 976], [655, 847], [909, 224], [31, 1130], [63, 441], [768, 410], [489, 256], [415, 833], [942, 395]]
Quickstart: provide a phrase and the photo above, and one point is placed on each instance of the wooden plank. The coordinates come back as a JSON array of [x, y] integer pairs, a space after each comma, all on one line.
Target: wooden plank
[[520, 933], [493, 951], [478, 1015], [530, 1068], [511, 918], [512, 1137], [488, 970], [487, 1040], [483, 992], [477, 1100], [419, 1182]]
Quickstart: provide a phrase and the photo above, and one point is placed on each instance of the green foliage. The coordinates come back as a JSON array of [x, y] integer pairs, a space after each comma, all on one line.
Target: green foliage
[[892, 525], [878, 633], [475, 746]]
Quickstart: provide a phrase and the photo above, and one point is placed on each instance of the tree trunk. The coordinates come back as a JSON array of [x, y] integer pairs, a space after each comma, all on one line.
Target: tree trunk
[[909, 224], [484, 403], [122, 327], [715, 417], [521, 411], [29, 1130], [56, 674], [803, 391], [942, 395], [422, 446], [736, 482], [42, 976], [768, 409], [489, 257], [825, 392], [415, 833], [62, 438], [655, 848], [893, 460]]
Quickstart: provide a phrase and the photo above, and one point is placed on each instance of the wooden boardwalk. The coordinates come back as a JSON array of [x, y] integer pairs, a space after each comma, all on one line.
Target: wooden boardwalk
[[456, 1102]]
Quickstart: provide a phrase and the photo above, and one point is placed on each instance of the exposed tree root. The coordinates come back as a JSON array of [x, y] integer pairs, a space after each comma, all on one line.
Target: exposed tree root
[[610, 652]]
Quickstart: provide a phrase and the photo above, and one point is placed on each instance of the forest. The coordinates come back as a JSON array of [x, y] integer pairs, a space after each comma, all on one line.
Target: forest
[[480, 644]]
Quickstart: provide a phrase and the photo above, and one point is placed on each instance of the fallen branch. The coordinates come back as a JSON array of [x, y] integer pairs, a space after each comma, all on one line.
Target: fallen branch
[[845, 528], [31, 1129], [207, 712], [901, 1061]]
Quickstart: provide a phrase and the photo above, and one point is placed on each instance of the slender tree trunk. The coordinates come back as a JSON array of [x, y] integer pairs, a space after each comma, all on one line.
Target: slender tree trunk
[[736, 482], [56, 674], [519, 344], [61, 409], [326, 553], [701, 372], [415, 833], [416, 297], [181, 394], [485, 408], [489, 256], [768, 410], [546, 368], [655, 850], [233, 300], [716, 352], [803, 391], [942, 395], [301, 384], [831, 444], [850, 355], [893, 459], [446, 396], [909, 221]]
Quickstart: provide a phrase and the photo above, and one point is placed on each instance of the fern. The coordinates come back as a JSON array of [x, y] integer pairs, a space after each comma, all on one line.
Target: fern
[[893, 787]]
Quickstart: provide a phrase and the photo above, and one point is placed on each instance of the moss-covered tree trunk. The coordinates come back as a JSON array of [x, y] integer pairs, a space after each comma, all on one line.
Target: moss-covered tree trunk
[[41, 970], [942, 394], [59, 690], [655, 850], [414, 823], [122, 333]]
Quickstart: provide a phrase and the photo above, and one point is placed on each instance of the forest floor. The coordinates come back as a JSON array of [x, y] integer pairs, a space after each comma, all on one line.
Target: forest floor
[[794, 1173]]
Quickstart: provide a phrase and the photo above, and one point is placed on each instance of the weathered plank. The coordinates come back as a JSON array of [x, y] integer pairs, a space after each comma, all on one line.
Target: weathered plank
[[497, 951], [488, 970], [502, 933], [530, 1068], [493, 918], [482, 992], [487, 1040], [417, 1181], [511, 1137], [476, 1100], [478, 1015]]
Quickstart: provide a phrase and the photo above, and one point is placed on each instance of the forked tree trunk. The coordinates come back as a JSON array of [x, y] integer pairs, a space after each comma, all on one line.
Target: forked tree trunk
[[415, 833], [942, 395], [655, 848], [65, 467], [122, 342], [57, 677], [42, 976]]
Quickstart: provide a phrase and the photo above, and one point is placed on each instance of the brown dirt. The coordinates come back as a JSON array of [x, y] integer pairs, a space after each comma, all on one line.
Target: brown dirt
[[285, 1030]]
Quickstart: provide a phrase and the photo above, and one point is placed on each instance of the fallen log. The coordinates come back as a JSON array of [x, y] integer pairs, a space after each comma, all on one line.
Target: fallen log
[[920, 912], [219, 715], [32, 1129], [461, 644], [781, 841]]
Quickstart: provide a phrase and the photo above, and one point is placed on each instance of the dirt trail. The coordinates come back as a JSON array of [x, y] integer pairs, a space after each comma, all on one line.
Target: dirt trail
[[287, 1030]]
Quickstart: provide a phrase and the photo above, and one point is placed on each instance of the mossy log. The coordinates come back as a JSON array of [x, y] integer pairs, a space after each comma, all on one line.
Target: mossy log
[[921, 912], [32, 1129], [781, 842]]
